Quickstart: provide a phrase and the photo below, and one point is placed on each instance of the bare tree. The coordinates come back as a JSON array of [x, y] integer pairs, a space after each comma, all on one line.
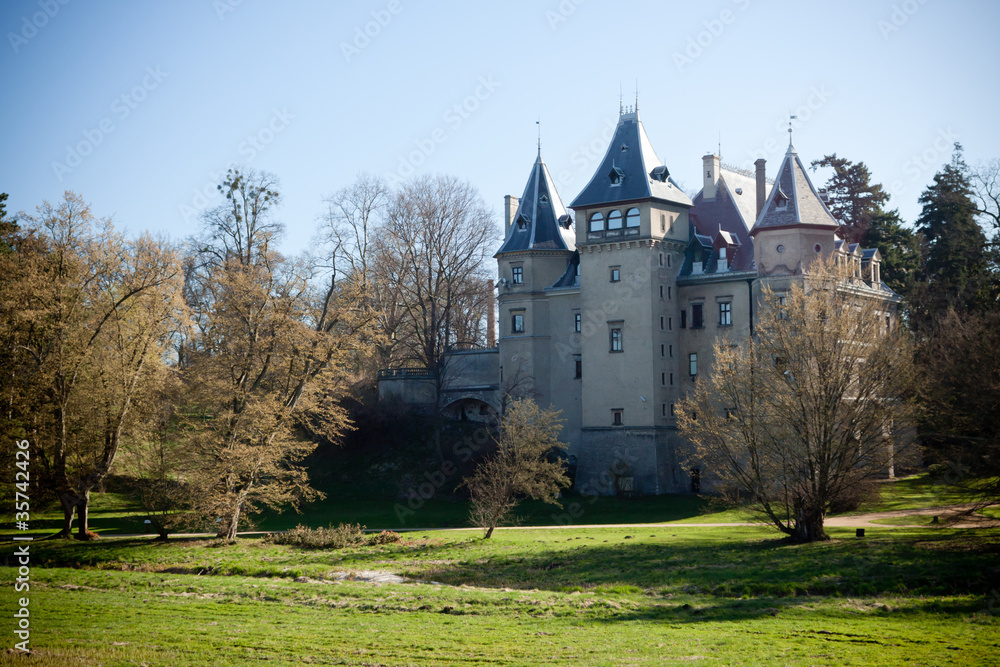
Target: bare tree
[[986, 191], [817, 400], [520, 467], [273, 342]]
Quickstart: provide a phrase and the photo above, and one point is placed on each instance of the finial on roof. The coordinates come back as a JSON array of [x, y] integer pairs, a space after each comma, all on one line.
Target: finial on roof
[[790, 118], [539, 124], [637, 95], [621, 107]]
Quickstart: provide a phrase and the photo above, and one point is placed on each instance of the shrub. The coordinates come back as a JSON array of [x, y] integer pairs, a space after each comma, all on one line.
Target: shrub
[[335, 537], [385, 537]]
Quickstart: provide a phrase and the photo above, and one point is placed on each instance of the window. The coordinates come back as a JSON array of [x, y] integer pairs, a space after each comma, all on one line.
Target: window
[[579, 369], [663, 222], [671, 379], [673, 412], [668, 261], [684, 319], [596, 223], [577, 322], [661, 291], [661, 324], [517, 323], [725, 314], [670, 324], [693, 364], [697, 316], [670, 292], [671, 351], [614, 220], [663, 379], [661, 259], [663, 409], [616, 339], [662, 353], [616, 274], [632, 218], [517, 275], [616, 417]]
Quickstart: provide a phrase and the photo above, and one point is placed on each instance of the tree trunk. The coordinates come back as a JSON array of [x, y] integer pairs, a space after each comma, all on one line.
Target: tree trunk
[[489, 532], [68, 503], [809, 526], [228, 532], [83, 532]]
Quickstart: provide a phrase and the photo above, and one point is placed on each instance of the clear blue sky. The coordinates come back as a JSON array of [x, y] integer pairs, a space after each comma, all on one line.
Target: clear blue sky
[[161, 96]]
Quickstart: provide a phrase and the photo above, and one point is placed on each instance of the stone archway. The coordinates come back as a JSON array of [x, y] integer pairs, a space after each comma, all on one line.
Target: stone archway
[[470, 409]]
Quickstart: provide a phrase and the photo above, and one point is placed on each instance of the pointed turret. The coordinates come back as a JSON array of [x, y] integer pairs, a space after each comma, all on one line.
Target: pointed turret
[[630, 170], [793, 201], [540, 222]]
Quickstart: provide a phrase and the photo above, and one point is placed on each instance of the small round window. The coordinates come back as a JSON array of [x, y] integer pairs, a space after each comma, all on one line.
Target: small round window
[[780, 248], [817, 248]]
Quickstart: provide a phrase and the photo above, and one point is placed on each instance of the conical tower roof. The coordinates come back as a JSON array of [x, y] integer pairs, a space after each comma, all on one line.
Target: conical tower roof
[[630, 170], [541, 221], [793, 201]]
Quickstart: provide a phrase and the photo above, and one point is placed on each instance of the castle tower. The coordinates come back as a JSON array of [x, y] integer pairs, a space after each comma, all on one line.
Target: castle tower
[[632, 228], [794, 226], [537, 269]]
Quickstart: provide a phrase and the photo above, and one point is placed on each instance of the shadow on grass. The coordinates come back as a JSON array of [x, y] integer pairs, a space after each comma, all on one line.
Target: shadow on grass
[[906, 565]]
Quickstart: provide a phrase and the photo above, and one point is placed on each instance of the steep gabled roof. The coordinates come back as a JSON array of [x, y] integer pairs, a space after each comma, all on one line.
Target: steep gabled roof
[[725, 214], [793, 199], [630, 170], [541, 221], [571, 276]]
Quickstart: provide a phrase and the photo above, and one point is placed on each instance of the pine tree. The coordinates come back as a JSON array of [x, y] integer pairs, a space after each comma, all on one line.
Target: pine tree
[[854, 199], [899, 247], [957, 270]]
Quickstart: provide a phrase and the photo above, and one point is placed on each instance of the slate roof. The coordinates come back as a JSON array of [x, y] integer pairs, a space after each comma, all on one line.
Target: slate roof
[[631, 161], [571, 277], [803, 205], [541, 221], [726, 214]]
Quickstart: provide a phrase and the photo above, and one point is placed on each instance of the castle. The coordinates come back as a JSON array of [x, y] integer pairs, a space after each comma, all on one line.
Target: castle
[[610, 314]]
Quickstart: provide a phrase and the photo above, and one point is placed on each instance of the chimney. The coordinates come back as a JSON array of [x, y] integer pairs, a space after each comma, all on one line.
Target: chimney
[[509, 211], [761, 184], [710, 168], [491, 314]]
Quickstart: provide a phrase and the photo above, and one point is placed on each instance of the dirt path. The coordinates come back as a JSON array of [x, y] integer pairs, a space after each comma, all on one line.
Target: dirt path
[[944, 513]]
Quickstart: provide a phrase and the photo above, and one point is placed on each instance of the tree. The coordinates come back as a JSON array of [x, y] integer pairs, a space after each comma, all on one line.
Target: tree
[[816, 401], [272, 344], [438, 237], [957, 271], [900, 250], [521, 466], [8, 227], [88, 313], [959, 393], [854, 199], [986, 191]]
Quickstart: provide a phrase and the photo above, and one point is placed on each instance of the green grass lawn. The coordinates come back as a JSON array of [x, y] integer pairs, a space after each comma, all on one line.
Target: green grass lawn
[[578, 596]]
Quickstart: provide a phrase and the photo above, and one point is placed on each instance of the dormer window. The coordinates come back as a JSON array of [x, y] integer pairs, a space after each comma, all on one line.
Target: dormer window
[[522, 222], [659, 174], [780, 199], [624, 147], [616, 175], [565, 221], [543, 200]]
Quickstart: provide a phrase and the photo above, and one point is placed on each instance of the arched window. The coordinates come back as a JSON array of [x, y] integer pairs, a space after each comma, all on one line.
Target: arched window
[[596, 223], [614, 220], [632, 218]]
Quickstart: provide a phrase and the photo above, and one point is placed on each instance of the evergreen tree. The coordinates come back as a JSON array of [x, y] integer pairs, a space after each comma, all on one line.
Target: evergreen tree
[[854, 199], [957, 271], [899, 247]]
